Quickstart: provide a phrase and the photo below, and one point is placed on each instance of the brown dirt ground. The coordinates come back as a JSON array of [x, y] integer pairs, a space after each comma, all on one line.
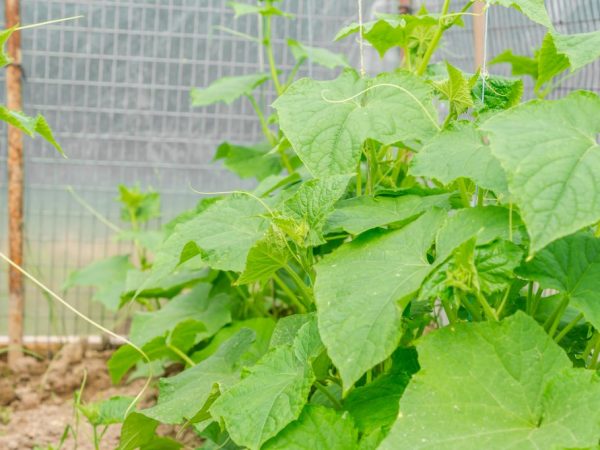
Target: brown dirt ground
[[37, 400]]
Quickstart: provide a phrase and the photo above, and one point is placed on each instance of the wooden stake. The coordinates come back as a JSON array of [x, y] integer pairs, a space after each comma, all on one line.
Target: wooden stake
[[478, 33], [15, 188]]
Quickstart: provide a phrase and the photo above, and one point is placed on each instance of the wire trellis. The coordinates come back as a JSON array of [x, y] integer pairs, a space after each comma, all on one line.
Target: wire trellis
[[115, 87]]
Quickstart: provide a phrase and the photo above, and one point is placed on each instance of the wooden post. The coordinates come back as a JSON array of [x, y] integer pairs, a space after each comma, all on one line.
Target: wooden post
[[405, 7], [478, 34], [15, 188]]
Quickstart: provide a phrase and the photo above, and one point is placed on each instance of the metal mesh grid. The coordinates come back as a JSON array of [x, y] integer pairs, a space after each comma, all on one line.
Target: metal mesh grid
[[115, 87]]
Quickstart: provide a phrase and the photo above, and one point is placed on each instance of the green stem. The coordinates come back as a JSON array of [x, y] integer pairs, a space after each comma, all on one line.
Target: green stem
[[487, 309], [450, 312], [435, 41], [568, 328], [553, 321], [300, 283], [464, 195], [269, 46], [359, 179], [329, 395], [263, 123], [182, 355], [529, 301], [475, 314], [500, 309], [595, 356], [407, 58], [293, 298], [293, 73]]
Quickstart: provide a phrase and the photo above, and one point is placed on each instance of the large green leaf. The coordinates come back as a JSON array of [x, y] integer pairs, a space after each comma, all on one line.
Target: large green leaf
[[108, 276], [460, 153], [327, 122], [248, 162], [552, 161], [520, 65], [320, 56], [534, 9], [272, 395], [205, 313], [312, 203], [499, 93], [358, 288], [266, 257], [227, 89], [317, 428], [137, 431], [185, 395], [359, 214], [571, 265], [486, 223], [496, 386], [224, 233]]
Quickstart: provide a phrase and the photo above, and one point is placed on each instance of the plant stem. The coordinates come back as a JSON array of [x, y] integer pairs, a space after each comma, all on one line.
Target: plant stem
[[301, 285], [450, 312], [329, 395], [464, 195], [435, 41], [293, 298], [263, 123], [568, 328], [500, 309], [359, 180], [487, 309], [553, 321], [595, 356], [182, 355], [269, 46], [293, 73]]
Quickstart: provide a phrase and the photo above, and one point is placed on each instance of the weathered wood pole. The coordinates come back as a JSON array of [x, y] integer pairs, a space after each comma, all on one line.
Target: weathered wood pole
[[16, 300], [478, 34]]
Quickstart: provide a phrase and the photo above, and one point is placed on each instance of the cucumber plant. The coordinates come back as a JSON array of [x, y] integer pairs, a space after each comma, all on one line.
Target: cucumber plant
[[397, 279]]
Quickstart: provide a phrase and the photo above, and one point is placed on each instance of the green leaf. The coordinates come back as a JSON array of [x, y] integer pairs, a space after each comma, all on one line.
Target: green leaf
[[460, 153], [486, 223], [249, 162], [571, 265], [210, 314], [552, 161], [534, 9], [266, 257], [5, 59], [29, 125], [138, 206], [550, 62], [227, 89], [242, 9], [358, 290], [327, 122], [113, 410], [456, 89], [496, 264], [496, 385], [108, 276], [375, 405], [580, 49], [312, 203], [359, 214], [225, 232], [500, 93], [392, 31], [137, 431], [271, 396], [320, 56], [262, 328], [317, 428], [287, 328], [520, 65], [186, 394]]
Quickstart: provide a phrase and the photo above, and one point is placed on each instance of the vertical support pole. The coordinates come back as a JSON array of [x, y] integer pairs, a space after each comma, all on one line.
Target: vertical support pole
[[15, 188], [405, 7], [478, 34]]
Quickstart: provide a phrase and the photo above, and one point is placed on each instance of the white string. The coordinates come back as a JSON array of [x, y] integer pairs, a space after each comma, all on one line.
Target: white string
[[361, 42]]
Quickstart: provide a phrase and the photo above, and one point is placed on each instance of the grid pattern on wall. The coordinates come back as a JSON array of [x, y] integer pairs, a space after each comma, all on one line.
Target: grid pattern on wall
[[115, 87]]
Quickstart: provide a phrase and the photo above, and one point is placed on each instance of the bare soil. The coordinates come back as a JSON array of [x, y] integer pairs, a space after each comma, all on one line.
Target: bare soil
[[37, 400]]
